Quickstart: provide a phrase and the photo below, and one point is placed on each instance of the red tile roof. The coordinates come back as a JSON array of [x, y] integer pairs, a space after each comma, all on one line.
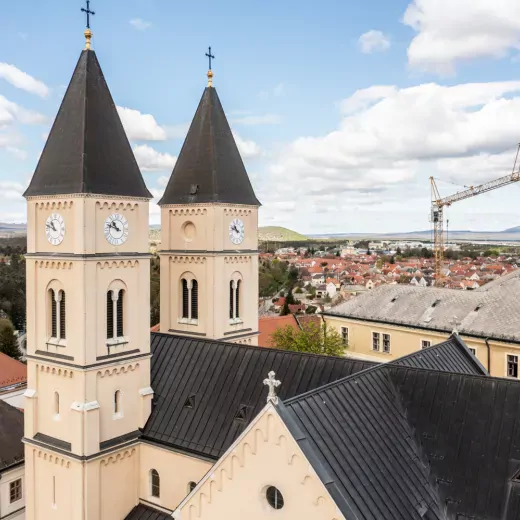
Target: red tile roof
[[269, 324], [11, 371]]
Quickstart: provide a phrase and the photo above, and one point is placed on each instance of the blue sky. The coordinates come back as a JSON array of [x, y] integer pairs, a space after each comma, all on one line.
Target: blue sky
[[341, 109]]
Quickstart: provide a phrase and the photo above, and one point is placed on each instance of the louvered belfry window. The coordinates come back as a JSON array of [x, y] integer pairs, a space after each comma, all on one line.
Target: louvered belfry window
[[185, 298], [237, 299], [54, 317], [110, 316], [120, 313], [63, 330], [194, 300], [231, 294]]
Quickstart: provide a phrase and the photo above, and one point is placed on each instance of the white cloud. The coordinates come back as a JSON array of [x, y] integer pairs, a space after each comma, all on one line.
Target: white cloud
[[450, 32], [247, 149], [177, 131], [373, 41], [11, 190], [384, 149], [140, 24], [11, 112], [141, 127], [22, 80], [150, 159], [267, 119]]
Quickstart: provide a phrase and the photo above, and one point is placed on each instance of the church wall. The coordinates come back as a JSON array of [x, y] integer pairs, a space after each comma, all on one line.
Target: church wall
[[406, 340], [175, 471], [266, 455]]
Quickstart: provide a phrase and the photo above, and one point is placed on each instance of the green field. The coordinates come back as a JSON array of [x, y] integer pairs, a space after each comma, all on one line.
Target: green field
[[279, 234]]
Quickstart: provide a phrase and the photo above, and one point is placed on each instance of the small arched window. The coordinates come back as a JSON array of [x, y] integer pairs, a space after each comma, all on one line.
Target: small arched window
[[120, 313], [185, 299], [234, 299], [231, 300], [115, 314], [56, 403], [110, 316], [117, 401], [155, 483], [237, 299], [63, 330], [194, 300], [54, 314], [191, 486]]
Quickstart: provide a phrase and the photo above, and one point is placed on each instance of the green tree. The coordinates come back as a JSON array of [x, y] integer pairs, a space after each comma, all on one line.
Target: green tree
[[290, 298], [315, 338], [284, 311], [8, 343]]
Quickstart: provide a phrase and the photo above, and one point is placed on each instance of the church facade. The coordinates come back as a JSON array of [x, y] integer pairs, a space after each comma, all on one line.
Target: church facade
[[196, 422]]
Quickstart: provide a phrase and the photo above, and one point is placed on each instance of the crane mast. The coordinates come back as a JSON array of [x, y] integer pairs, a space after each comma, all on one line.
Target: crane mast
[[439, 203]]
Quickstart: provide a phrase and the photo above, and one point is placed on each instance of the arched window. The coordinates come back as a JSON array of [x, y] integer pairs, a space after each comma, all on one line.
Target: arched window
[[56, 403], [117, 401], [54, 314], [63, 329], [234, 297], [155, 483], [110, 316], [185, 299], [115, 314], [120, 308], [194, 300]]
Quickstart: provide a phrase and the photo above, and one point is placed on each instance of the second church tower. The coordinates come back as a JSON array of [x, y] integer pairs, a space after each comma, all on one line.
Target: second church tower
[[209, 227]]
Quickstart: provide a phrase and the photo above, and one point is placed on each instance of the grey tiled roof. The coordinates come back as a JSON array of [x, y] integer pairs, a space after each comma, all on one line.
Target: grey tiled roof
[[491, 311]]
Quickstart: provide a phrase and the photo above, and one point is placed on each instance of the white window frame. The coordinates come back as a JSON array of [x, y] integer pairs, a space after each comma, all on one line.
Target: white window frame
[[378, 335], [345, 332], [389, 351], [423, 341], [507, 363], [13, 483]]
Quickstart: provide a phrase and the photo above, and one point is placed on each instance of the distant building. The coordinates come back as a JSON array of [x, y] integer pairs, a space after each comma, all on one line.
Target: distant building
[[13, 381]]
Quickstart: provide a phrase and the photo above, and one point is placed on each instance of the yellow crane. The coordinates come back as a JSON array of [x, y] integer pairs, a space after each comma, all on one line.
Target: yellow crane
[[438, 205]]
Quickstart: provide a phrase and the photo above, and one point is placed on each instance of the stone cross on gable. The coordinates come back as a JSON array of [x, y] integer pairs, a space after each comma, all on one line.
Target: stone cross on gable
[[272, 383]]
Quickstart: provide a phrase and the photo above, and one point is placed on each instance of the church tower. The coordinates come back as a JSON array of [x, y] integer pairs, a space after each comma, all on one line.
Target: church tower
[[209, 233], [87, 311]]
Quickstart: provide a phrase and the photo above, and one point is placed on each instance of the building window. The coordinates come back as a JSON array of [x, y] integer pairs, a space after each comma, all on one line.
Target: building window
[[344, 335], [274, 497], [56, 403], [234, 299], [191, 486], [115, 314], [231, 301], [54, 314], [15, 490], [376, 338], [425, 343], [117, 401], [190, 299], [512, 366], [63, 334], [473, 350], [155, 483], [386, 343], [237, 299]]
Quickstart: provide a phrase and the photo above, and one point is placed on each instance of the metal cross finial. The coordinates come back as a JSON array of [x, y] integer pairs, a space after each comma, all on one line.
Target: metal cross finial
[[89, 12], [210, 57], [272, 383]]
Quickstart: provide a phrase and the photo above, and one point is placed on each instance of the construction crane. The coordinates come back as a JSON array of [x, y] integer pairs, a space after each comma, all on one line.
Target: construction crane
[[438, 205]]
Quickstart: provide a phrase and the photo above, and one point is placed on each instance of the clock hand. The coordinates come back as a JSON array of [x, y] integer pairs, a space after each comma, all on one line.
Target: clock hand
[[236, 229], [52, 224]]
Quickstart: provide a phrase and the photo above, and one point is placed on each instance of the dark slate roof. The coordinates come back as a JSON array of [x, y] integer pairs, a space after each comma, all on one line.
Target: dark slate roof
[[401, 442], [210, 160], [219, 380], [11, 433], [451, 355], [142, 512], [87, 150]]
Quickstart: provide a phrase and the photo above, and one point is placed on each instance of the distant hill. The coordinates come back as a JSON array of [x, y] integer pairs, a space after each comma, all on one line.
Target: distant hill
[[6, 228], [279, 234], [515, 229]]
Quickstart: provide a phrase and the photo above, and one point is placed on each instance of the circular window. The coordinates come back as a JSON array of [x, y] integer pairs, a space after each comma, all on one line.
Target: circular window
[[274, 497]]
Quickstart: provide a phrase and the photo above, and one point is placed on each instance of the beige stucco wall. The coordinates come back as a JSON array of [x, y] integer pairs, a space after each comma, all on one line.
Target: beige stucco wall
[[405, 340], [196, 244], [15, 509], [175, 471], [266, 455]]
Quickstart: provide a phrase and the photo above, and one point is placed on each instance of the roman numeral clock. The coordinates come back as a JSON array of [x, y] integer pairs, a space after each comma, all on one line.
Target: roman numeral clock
[[116, 229]]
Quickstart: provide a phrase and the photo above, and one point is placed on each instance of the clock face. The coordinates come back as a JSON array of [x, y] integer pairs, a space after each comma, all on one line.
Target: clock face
[[236, 231], [116, 229], [55, 229]]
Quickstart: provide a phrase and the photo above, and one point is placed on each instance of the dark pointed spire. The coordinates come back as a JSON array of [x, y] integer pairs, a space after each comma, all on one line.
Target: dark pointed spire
[[209, 167], [87, 150]]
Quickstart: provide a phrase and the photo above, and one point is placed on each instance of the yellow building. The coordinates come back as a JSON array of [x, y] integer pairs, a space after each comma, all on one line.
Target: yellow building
[[392, 321]]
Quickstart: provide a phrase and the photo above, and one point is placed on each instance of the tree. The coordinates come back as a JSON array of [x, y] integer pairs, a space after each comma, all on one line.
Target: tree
[[290, 298], [398, 251], [315, 338], [284, 311], [8, 343]]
